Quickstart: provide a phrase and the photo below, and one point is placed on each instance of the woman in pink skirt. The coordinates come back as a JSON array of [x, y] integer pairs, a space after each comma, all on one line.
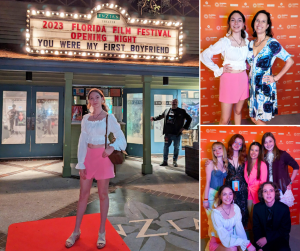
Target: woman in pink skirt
[[234, 87], [93, 161]]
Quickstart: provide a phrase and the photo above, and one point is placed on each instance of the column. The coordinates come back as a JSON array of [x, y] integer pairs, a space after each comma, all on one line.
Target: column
[[67, 125], [146, 166]]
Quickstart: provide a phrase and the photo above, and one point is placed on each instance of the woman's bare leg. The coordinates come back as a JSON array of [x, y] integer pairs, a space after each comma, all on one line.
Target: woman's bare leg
[[237, 108], [85, 187], [104, 202], [258, 122], [225, 113]]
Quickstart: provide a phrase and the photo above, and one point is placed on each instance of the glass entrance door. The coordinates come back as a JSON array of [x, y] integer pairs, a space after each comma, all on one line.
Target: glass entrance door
[[32, 121]]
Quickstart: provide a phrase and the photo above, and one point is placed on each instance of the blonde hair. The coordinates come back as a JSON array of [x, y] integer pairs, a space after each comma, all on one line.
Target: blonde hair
[[104, 106], [214, 158]]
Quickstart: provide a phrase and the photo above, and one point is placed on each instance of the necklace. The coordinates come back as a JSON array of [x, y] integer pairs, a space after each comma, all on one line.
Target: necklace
[[226, 212], [97, 115], [260, 42], [239, 44]]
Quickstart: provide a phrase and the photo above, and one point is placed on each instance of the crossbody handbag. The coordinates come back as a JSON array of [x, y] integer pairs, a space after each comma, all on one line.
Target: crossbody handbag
[[116, 157]]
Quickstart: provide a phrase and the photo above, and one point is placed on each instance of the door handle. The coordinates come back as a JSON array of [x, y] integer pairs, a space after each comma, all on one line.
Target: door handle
[[32, 123], [28, 123]]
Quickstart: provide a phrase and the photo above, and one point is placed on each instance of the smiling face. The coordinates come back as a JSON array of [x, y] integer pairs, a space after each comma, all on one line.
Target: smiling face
[[236, 23], [95, 99], [237, 144], [269, 194], [227, 196], [174, 103], [254, 152], [261, 23], [218, 151], [269, 143]]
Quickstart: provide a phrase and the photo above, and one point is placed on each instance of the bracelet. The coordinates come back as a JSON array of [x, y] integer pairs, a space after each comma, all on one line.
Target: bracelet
[[291, 183], [274, 78], [249, 245]]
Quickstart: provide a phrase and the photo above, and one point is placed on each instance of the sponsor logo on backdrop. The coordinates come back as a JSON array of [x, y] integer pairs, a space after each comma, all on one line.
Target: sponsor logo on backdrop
[[223, 28], [292, 27], [296, 97], [284, 113], [281, 37], [204, 105], [203, 97], [296, 134], [210, 16], [281, 5], [213, 88], [211, 130], [293, 5], [243, 132], [296, 150], [287, 82], [293, 112], [221, 4], [249, 17], [205, 114], [214, 105], [232, 132], [211, 38], [223, 16], [270, 5], [208, 28], [289, 142], [258, 5], [280, 27], [291, 46], [206, 4], [279, 90], [280, 142], [245, 5], [286, 98], [294, 16], [234, 5], [282, 16]]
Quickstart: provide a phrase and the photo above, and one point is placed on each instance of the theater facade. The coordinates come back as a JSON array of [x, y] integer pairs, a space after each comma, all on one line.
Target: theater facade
[[52, 55]]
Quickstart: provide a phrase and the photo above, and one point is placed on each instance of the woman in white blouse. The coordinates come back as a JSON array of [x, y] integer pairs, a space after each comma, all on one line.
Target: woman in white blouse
[[234, 87], [93, 161], [228, 232]]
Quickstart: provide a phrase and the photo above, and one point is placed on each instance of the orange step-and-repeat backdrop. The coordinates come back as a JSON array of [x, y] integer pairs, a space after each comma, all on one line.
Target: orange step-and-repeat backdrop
[[287, 139], [286, 29]]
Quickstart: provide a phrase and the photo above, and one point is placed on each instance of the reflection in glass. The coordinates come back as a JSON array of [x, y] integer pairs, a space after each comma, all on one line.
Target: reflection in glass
[[14, 117], [135, 118], [161, 103], [46, 130], [190, 102]]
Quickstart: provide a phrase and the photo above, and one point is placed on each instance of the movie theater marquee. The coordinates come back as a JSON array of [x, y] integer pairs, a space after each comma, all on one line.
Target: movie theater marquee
[[108, 31]]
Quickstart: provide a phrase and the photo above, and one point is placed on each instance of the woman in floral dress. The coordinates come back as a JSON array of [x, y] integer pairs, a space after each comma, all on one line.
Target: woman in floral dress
[[262, 53]]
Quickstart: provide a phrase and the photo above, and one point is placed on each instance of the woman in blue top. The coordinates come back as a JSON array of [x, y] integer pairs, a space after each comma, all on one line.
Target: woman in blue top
[[216, 171], [262, 53]]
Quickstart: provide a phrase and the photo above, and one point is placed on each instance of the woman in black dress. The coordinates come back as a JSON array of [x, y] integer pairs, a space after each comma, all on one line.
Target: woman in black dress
[[237, 156]]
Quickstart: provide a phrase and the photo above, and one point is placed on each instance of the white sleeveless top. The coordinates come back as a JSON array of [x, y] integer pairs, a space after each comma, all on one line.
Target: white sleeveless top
[[93, 132], [235, 56]]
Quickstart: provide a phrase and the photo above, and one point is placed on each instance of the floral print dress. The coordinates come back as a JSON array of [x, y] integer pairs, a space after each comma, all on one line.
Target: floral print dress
[[263, 97], [241, 196]]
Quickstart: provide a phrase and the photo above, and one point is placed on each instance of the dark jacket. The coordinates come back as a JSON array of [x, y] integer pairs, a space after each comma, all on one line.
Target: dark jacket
[[280, 169], [180, 116], [281, 223]]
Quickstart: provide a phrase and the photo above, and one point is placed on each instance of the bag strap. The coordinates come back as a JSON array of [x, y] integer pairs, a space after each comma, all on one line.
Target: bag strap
[[106, 132]]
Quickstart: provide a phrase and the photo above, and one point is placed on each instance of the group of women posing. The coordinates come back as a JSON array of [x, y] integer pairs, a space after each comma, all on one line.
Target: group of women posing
[[244, 173], [260, 54]]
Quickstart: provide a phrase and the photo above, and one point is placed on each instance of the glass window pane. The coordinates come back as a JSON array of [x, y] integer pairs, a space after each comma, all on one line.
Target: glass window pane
[[46, 130], [190, 102], [135, 118], [14, 117], [161, 102]]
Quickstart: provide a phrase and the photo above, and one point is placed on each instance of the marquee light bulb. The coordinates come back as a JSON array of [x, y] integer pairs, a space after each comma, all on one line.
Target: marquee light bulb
[[48, 13], [42, 52], [132, 20], [181, 36], [111, 6], [123, 11], [27, 49], [89, 16], [33, 12], [27, 35], [98, 7], [76, 16], [56, 53], [62, 14]]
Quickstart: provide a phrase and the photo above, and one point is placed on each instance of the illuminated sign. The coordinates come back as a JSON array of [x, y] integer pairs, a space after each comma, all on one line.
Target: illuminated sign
[[108, 31]]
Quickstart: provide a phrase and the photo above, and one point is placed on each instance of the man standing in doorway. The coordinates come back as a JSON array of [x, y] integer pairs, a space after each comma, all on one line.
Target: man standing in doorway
[[175, 121]]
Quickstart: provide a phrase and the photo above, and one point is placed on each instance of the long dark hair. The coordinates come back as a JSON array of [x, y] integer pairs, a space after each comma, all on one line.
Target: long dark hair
[[269, 30], [261, 189], [219, 194], [104, 106], [242, 151], [243, 34], [259, 160], [276, 151]]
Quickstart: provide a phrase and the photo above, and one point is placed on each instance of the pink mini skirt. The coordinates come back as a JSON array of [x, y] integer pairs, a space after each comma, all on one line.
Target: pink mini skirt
[[214, 243], [233, 87], [96, 166]]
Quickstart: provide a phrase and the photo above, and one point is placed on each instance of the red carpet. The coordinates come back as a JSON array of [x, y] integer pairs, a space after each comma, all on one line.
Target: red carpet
[[51, 235]]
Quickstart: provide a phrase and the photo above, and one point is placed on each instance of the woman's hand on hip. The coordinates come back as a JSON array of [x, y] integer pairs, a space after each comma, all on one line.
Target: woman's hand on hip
[[108, 151], [82, 173], [227, 68], [269, 79]]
